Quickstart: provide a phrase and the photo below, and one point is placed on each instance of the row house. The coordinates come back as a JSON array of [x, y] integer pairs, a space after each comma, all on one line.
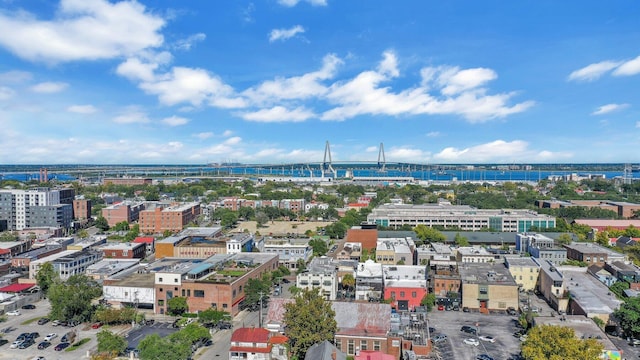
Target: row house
[[405, 285], [257, 344]]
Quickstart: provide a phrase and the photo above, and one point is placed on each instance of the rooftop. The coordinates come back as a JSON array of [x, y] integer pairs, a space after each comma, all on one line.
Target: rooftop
[[515, 260], [590, 248], [120, 246], [54, 256], [473, 251], [133, 280], [583, 327], [592, 295], [111, 266], [404, 275], [485, 273]]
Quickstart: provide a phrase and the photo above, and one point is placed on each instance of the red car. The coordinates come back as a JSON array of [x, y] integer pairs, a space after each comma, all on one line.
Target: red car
[[96, 325], [441, 307]]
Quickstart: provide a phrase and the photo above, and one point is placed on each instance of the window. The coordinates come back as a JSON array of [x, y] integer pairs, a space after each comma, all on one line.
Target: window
[[339, 344], [350, 347], [376, 345], [160, 289], [175, 280], [414, 294], [183, 292], [224, 306], [198, 293], [363, 344], [159, 279], [393, 294], [402, 294], [484, 290]]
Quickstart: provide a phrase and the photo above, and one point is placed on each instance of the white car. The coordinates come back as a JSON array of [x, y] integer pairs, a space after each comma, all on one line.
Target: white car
[[490, 339], [50, 337], [15, 344], [471, 341], [13, 313]]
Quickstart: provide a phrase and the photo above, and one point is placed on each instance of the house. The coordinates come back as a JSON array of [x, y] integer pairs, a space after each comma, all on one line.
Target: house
[[404, 285], [363, 326], [487, 286], [257, 344]]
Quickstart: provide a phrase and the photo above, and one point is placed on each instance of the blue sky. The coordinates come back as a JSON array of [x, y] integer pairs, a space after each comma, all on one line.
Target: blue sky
[[194, 82]]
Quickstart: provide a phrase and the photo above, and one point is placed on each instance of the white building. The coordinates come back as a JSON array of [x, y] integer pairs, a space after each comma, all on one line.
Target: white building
[[369, 281], [289, 251], [474, 254], [130, 288], [320, 274]]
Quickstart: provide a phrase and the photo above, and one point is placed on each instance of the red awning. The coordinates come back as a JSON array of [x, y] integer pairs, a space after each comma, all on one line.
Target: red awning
[[14, 288]]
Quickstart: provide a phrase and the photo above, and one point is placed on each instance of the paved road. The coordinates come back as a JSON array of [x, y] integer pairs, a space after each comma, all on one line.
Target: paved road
[[222, 338]]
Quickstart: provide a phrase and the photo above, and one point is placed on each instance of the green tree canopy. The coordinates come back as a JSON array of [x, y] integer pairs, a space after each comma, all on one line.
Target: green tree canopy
[[111, 343], [153, 347], [428, 300], [101, 223], [212, 316], [430, 234], [254, 288], [628, 314], [319, 247], [461, 240], [348, 281], [549, 342], [309, 320], [190, 334], [177, 306], [71, 299], [45, 277]]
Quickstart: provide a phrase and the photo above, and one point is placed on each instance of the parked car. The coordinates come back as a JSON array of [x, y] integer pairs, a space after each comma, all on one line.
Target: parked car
[[470, 341], [34, 335], [469, 329], [224, 325], [490, 339], [61, 346], [43, 321], [440, 307], [15, 344], [512, 311], [56, 323], [25, 344], [28, 307], [634, 342], [23, 336], [96, 325], [465, 309], [50, 337], [3, 341], [456, 307], [13, 313], [43, 345], [438, 338], [69, 337]]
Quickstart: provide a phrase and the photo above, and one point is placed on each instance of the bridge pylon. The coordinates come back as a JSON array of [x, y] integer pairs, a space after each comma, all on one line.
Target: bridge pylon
[[326, 164], [382, 161]]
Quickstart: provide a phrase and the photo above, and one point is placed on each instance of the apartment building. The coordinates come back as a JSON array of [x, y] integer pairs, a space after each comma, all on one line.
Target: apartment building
[[67, 263], [321, 273], [81, 209], [127, 211], [42, 207], [289, 250], [524, 270], [171, 218], [464, 217]]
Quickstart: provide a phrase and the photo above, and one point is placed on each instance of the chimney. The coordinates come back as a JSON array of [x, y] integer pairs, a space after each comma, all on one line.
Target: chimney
[[334, 354]]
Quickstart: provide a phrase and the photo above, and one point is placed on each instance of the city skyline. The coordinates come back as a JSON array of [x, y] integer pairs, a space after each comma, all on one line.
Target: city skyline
[[158, 82]]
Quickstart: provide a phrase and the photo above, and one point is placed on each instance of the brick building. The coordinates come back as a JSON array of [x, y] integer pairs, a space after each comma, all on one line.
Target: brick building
[[591, 253], [123, 250], [168, 218], [124, 211], [127, 181], [404, 285], [81, 209]]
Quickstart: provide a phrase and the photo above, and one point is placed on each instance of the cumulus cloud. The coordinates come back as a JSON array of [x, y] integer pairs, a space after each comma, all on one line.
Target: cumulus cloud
[[433, 134], [203, 135], [284, 34], [291, 3], [278, 114], [15, 76], [188, 43], [227, 133], [499, 151], [49, 87], [175, 121], [593, 71], [609, 108], [628, 68], [82, 30], [131, 116], [82, 109]]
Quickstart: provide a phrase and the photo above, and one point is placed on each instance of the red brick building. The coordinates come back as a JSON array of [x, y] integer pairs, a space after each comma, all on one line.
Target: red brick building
[[124, 211], [81, 209], [127, 181], [171, 218], [124, 251]]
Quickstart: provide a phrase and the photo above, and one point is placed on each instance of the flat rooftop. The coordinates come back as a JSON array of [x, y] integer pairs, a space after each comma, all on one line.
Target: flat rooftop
[[485, 273], [404, 275], [520, 261], [592, 295], [120, 246], [54, 257], [590, 248], [111, 266], [135, 280]]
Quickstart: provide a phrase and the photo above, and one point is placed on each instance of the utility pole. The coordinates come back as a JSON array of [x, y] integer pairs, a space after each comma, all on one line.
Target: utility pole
[[260, 312]]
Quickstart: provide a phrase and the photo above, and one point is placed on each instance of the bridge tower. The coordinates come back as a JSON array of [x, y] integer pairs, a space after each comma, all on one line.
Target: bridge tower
[[627, 175], [326, 165], [382, 161]]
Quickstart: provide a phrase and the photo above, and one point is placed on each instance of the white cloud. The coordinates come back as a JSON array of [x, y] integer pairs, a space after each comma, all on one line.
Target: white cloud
[[297, 87], [82, 30], [462, 94], [498, 151], [188, 43], [15, 76], [131, 116], [628, 68], [204, 135], [609, 108], [6, 93], [371, 149], [227, 133], [593, 71], [406, 154], [284, 34], [82, 109], [175, 121], [136, 70], [291, 3], [278, 114], [433, 134], [49, 87]]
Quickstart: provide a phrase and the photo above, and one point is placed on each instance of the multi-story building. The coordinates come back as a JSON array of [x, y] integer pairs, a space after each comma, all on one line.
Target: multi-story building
[[444, 278], [321, 273], [625, 272], [463, 217], [524, 270], [67, 263], [392, 251], [404, 285], [474, 254], [433, 251], [81, 209], [128, 181], [350, 251], [123, 250], [592, 253], [216, 282], [149, 243], [107, 268], [202, 243], [126, 211], [43, 207], [362, 326], [171, 218], [552, 285], [289, 250], [487, 287], [369, 281], [132, 286], [556, 255], [589, 297], [10, 249], [524, 241], [257, 344], [23, 260]]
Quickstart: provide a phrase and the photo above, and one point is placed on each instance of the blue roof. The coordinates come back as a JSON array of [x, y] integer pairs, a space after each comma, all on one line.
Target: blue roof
[[200, 268]]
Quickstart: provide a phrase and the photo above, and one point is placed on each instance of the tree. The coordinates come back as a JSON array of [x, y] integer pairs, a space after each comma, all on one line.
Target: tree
[[177, 306], [602, 238], [229, 219], [309, 320], [628, 314], [564, 239], [430, 234], [121, 226], [45, 277], [619, 287], [336, 230], [154, 347], [9, 236], [101, 223], [461, 240], [254, 289], [111, 343], [428, 300], [319, 247], [190, 334], [548, 342], [71, 299], [83, 234], [212, 316], [348, 281]]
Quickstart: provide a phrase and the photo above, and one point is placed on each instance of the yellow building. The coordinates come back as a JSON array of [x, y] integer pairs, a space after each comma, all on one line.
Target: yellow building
[[488, 287], [524, 270]]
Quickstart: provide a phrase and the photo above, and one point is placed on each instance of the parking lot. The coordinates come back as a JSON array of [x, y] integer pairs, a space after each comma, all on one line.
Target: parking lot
[[499, 326]]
